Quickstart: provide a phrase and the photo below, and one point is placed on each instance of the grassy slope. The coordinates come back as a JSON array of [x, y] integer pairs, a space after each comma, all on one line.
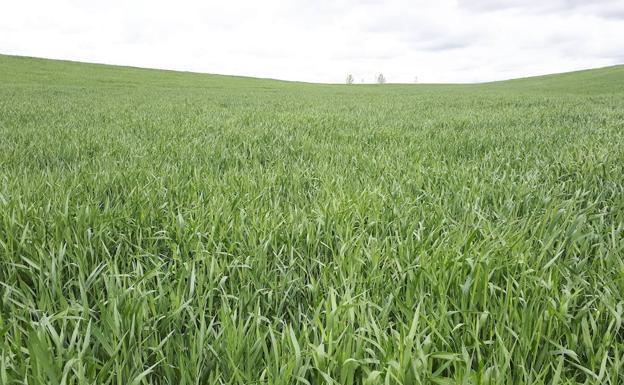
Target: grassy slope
[[182, 228]]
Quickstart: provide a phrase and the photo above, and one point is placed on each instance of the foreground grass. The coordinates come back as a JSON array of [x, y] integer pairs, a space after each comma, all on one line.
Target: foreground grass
[[173, 228]]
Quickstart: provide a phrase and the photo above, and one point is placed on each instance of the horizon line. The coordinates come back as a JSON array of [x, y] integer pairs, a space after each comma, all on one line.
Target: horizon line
[[297, 81]]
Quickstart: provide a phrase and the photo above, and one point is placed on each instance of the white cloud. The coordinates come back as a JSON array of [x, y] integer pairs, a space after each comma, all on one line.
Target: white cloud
[[442, 41]]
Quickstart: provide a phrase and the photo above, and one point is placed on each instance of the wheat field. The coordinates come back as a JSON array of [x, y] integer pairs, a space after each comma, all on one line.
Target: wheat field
[[161, 227]]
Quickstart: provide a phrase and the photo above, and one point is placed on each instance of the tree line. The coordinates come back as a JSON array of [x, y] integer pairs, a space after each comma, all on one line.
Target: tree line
[[379, 79]]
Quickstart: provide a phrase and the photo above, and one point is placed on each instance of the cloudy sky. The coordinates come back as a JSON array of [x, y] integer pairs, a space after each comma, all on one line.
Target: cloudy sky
[[323, 40]]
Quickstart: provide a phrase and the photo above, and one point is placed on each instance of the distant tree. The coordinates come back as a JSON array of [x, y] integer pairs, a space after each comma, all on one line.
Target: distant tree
[[350, 79], [381, 79], [415, 79]]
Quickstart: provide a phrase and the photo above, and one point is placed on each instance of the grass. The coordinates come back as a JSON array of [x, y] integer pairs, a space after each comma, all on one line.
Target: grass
[[159, 227]]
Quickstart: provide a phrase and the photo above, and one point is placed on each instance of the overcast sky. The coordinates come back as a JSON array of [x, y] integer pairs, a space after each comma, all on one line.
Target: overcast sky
[[323, 40]]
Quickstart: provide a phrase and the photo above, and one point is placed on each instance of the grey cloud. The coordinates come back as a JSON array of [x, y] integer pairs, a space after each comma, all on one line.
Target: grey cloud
[[422, 33], [615, 11], [446, 43], [612, 9], [497, 5], [616, 14]]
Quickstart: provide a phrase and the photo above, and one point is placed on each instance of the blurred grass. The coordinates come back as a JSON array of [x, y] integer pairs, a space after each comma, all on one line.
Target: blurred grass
[[159, 227]]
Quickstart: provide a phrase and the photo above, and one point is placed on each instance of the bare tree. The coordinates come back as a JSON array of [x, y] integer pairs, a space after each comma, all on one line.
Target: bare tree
[[381, 79], [350, 79]]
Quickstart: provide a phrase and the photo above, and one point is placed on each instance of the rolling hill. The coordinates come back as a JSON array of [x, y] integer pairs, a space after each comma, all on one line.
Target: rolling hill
[[161, 227]]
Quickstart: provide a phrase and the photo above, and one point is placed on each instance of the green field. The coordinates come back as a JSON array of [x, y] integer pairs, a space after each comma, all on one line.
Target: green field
[[161, 227]]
